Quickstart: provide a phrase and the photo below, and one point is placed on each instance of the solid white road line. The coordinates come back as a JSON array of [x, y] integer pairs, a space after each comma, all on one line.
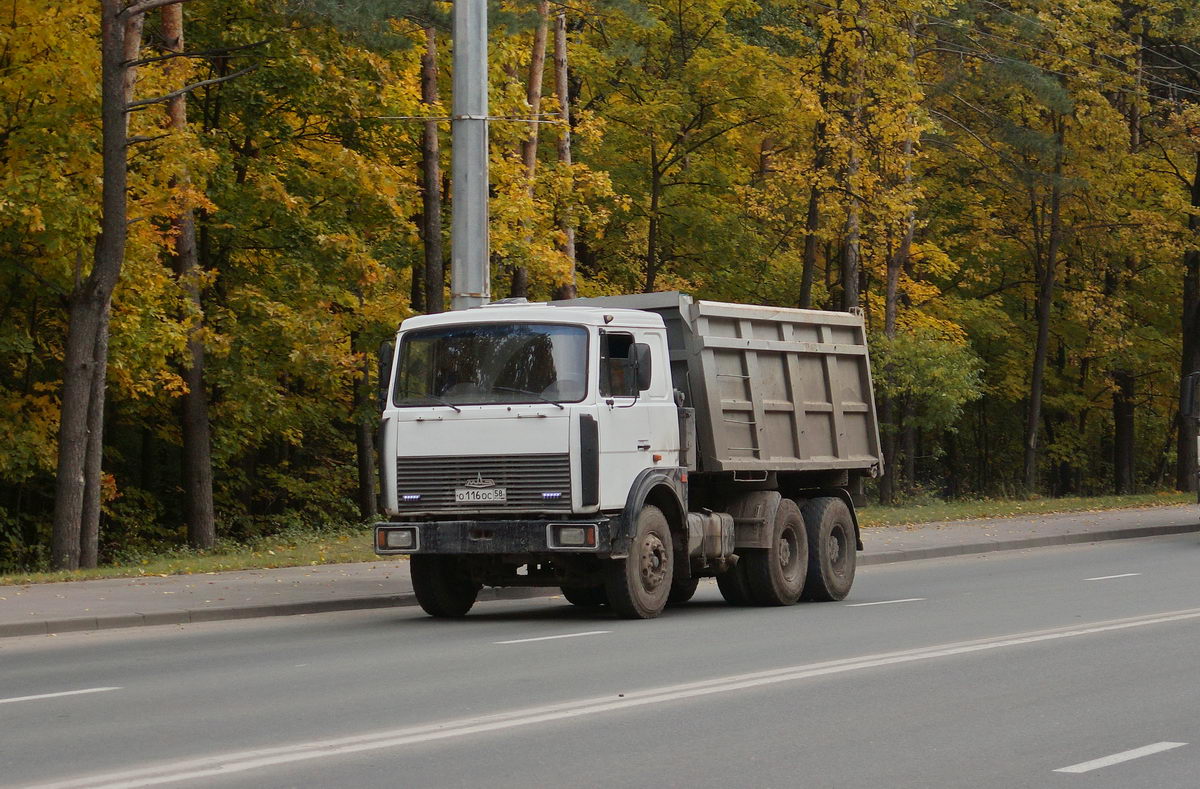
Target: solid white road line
[[551, 638], [885, 602], [1110, 577], [223, 764], [56, 695], [1123, 756]]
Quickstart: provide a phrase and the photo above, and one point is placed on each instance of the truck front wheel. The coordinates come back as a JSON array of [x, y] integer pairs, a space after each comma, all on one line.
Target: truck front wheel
[[831, 545], [442, 588], [639, 584]]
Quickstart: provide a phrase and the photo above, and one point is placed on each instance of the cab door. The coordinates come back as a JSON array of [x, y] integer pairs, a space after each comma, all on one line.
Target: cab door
[[623, 425], [638, 428]]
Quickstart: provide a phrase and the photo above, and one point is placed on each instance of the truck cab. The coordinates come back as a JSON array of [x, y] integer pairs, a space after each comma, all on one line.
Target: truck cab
[[521, 410]]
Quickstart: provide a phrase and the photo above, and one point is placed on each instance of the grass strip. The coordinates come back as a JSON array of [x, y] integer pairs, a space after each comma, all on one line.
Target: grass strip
[[294, 550], [935, 511]]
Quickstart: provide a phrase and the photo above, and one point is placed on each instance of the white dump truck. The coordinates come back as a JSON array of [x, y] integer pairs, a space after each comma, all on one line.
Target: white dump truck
[[622, 448]]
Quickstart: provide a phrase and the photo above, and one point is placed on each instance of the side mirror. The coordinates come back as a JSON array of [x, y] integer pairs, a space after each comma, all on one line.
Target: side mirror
[[387, 350], [640, 354], [1190, 405]]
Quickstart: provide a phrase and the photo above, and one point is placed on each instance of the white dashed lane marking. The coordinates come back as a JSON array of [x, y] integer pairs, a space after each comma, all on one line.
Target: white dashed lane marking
[[886, 602], [552, 638], [1123, 756], [55, 695]]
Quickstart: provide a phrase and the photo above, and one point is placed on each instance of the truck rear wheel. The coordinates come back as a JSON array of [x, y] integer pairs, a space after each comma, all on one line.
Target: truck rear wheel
[[638, 585], [831, 546], [776, 575], [442, 588], [585, 596]]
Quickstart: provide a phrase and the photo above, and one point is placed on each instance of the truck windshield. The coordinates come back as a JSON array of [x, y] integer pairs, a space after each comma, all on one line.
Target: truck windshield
[[479, 364]]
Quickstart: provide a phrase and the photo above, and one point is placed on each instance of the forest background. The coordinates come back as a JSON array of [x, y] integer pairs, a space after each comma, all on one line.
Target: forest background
[[1008, 189]]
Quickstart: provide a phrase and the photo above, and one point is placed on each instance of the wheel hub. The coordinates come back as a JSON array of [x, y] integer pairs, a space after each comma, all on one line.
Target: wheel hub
[[838, 548], [653, 564]]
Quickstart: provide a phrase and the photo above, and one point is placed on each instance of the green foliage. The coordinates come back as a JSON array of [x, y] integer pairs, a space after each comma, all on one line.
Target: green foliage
[[934, 375], [724, 147]]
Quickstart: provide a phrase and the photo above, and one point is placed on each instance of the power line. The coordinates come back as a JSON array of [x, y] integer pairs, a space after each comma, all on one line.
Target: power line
[[1139, 44], [1060, 56], [983, 53]]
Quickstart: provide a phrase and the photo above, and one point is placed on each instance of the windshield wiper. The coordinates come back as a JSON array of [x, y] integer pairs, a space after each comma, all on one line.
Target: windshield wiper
[[441, 400], [539, 396]]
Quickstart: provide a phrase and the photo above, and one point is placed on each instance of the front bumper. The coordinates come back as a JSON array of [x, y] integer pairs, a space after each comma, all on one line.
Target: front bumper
[[497, 537]]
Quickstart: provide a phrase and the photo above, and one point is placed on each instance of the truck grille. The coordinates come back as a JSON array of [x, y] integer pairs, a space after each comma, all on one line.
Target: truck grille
[[525, 478]]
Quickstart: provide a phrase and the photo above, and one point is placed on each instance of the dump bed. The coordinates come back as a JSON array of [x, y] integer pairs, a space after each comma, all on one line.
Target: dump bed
[[774, 389]]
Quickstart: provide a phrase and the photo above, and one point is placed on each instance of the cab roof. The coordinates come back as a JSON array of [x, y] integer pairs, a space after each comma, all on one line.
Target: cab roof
[[538, 312]]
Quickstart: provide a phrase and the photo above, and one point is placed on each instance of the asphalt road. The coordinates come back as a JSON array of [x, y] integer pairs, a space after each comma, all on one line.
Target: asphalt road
[[1071, 667]]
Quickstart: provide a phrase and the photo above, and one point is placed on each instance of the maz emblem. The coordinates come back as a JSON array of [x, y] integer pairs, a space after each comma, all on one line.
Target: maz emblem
[[480, 482]]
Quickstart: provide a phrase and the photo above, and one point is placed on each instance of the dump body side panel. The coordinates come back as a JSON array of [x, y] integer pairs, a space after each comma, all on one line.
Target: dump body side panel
[[785, 389], [774, 389]]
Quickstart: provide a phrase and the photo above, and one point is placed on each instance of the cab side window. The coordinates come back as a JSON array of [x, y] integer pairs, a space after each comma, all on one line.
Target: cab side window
[[617, 377]]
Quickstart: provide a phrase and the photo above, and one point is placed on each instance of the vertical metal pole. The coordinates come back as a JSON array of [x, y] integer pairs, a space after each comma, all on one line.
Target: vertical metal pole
[[470, 266]]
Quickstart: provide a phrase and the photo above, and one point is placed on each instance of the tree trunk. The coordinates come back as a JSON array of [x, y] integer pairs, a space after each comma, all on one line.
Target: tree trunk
[[567, 290], [431, 194], [364, 436], [89, 300], [1123, 436], [199, 512], [1185, 464], [851, 250], [519, 288], [887, 483], [908, 437], [416, 290], [812, 224], [897, 262], [850, 253], [953, 488], [529, 146], [79, 364], [533, 92], [652, 262], [812, 219], [1045, 302], [89, 522]]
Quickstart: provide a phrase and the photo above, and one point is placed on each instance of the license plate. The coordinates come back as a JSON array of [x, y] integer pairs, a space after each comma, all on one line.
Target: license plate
[[480, 495]]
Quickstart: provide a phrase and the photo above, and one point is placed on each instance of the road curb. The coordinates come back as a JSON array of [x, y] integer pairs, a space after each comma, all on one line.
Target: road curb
[[363, 603], [994, 545], [189, 615]]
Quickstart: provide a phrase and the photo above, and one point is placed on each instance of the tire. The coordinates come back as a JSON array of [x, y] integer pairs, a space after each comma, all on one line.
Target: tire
[[585, 596], [776, 575], [831, 549], [682, 591], [734, 586], [639, 584], [442, 589]]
